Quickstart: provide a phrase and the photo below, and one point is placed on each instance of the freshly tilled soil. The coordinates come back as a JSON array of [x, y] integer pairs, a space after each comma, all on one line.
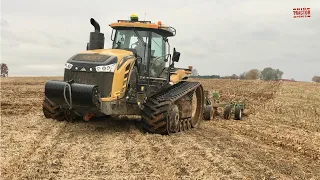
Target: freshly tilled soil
[[278, 139]]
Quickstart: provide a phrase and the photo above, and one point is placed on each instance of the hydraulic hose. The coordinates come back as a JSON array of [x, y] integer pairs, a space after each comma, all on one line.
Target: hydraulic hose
[[65, 97]]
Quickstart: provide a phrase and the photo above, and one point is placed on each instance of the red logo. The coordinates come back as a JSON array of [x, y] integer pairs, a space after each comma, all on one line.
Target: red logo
[[301, 13]]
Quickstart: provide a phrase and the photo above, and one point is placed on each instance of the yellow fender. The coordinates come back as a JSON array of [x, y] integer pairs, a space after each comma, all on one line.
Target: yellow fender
[[179, 75]]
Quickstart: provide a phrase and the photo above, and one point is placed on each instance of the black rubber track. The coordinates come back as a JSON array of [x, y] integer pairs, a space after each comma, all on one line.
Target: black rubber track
[[50, 110], [154, 117]]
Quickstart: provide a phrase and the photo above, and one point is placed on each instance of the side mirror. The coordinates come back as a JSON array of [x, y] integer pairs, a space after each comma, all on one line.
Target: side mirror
[[175, 56]]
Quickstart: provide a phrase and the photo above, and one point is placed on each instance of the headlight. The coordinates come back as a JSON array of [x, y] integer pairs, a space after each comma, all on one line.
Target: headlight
[[107, 68], [68, 65]]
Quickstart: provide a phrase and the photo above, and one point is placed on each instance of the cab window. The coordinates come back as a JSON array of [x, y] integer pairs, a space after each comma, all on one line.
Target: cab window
[[157, 60]]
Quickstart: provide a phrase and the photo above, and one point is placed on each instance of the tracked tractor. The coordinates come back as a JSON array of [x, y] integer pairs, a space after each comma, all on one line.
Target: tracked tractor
[[136, 76]]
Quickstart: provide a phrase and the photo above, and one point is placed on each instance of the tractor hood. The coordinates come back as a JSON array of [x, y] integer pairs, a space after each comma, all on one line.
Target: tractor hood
[[91, 60]]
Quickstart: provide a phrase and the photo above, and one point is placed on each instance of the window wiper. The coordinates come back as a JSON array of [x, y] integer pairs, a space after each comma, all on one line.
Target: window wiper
[[140, 38]]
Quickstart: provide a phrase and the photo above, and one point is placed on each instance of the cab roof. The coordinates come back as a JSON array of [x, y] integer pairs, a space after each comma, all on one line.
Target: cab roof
[[166, 31]]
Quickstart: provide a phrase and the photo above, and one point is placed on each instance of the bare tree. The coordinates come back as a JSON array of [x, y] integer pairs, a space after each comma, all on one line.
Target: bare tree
[[316, 79], [194, 72], [4, 70], [252, 74]]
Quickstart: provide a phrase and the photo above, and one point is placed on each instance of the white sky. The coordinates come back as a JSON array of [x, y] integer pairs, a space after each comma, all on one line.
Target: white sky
[[220, 37]]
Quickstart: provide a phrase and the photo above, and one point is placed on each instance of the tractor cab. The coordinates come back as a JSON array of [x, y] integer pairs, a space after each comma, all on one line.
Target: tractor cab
[[148, 42]]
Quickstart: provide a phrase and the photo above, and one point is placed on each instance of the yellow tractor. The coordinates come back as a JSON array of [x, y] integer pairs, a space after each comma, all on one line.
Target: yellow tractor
[[135, 77]]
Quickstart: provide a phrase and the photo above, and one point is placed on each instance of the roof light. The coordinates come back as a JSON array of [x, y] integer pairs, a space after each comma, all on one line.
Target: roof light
[[134, 17], [159, 23]]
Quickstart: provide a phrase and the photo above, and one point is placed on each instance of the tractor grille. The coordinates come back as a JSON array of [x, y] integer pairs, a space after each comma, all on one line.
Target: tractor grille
[[103, 80], [91, 57]]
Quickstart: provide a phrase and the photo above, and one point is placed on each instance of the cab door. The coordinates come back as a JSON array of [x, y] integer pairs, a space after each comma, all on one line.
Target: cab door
[[157, 56]]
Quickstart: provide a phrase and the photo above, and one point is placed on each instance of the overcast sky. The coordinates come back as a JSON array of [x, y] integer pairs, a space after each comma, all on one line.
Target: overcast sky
[[214, 36]]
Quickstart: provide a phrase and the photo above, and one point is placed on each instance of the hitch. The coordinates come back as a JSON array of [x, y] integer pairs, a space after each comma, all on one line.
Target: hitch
[[88, 116]]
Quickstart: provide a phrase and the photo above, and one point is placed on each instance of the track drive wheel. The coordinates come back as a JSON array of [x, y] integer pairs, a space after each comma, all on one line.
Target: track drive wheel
[[208, 113], [227, 112], [237, 112], [50, 110]]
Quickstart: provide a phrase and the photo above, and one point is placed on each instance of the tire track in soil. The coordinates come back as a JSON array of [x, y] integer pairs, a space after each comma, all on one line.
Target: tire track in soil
[[88, 150], [273, 162], [116, 150], [211, 154], [293, 144], [22, 167]]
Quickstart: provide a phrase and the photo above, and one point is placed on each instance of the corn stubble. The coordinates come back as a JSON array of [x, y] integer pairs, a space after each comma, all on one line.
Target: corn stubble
[[279, 138]]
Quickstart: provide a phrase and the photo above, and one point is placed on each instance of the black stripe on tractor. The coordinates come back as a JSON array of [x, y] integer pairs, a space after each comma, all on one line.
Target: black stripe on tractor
[[128, 67], [102, 79]]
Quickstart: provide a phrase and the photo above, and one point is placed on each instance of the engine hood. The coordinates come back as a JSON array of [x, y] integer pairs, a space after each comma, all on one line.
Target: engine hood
[[99, 56], [120, 53], [89, 60]]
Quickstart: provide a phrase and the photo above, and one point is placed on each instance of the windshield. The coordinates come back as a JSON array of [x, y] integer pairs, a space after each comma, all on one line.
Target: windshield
[[130, 39], [134, 40]]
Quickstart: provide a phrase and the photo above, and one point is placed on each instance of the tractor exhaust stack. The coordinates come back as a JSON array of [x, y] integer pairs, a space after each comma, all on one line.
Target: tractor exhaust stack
[[96, 40]]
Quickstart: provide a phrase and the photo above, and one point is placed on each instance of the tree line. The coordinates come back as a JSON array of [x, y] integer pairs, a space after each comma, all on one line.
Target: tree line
[[268, 74]]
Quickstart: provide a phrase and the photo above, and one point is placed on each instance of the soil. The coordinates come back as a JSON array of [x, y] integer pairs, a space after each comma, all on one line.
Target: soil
[[279, 138]]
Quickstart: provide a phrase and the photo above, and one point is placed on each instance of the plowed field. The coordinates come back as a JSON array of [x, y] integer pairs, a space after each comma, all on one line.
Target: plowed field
[[279, 139]]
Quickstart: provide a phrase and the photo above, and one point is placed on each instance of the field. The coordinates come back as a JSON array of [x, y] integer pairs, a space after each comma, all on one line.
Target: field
[[279, 139]]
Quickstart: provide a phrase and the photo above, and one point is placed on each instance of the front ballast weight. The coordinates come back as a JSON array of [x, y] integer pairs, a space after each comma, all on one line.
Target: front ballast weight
[[71, 98], [234, 109]]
